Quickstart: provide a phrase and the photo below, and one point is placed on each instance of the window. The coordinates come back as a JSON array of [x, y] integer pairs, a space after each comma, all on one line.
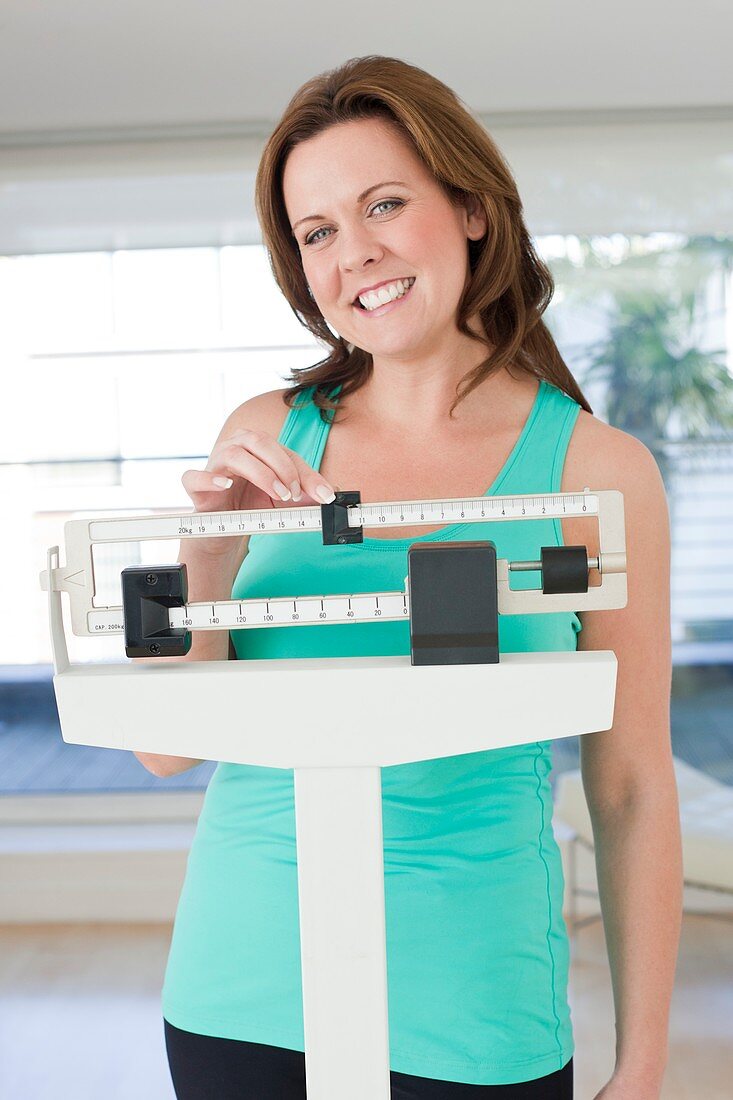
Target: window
[[120, 368]]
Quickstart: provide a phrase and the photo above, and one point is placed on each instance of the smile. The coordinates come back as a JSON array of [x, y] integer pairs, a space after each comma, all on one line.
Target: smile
[[386, 307]]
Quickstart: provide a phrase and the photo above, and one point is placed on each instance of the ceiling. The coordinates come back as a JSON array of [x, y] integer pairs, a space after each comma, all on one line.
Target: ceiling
[[140, 124], [82, 69]]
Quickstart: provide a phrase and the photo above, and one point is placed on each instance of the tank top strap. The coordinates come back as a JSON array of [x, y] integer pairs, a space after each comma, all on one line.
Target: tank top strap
[[538, 466], [304, 430]]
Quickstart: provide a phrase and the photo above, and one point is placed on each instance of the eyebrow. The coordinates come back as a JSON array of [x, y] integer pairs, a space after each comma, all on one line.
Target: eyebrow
[[361, 197]]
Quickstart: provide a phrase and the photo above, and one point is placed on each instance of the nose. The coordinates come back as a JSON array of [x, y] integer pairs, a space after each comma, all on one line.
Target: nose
[[357, 248]]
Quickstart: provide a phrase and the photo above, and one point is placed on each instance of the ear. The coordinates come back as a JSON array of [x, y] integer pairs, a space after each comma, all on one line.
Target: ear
[[476, 220]]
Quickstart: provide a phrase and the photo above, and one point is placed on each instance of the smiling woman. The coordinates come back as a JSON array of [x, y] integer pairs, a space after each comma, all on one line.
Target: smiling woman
[[435, 183], [395, 231]]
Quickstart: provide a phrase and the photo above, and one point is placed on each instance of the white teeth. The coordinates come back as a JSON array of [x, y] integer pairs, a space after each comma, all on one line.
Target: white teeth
[[375, 298]]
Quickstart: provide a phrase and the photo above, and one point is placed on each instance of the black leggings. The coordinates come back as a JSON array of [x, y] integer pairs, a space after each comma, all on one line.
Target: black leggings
[[207, 1068]]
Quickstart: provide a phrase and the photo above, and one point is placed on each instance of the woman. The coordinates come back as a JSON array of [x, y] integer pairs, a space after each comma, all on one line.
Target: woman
[[378, 177]]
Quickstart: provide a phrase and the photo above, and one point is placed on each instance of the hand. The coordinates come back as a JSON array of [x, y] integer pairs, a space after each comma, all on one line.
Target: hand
[[252, 461], [617, 1089]]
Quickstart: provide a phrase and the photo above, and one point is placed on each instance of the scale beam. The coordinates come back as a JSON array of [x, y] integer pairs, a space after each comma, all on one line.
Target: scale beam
[[89, 619]]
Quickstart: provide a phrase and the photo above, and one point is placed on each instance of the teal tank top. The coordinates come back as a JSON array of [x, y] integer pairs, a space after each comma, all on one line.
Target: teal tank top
[[477, 952]]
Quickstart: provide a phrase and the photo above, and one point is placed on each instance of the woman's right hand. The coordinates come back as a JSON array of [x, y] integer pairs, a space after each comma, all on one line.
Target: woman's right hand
[[253, 463]]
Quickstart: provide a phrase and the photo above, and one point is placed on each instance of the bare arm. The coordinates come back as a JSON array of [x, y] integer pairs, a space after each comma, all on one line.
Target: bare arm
[[246, 451], [630, 787], [210, 577]]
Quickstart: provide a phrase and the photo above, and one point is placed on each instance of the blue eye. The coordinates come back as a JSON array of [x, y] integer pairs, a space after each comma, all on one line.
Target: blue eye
[[313, 239]]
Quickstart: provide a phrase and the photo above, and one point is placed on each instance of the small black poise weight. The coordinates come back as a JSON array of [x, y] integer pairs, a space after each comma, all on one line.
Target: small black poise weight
[[335, 521], [454, 612], [564, 569], [148, 591]]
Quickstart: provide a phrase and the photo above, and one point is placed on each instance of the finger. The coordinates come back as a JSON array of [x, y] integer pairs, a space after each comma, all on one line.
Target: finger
[[204, 481], [312, 481], [289, 468], [232, 459], [272, 454]]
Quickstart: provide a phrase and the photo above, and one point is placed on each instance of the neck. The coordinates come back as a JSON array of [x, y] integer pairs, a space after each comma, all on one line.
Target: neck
[[407, 401]]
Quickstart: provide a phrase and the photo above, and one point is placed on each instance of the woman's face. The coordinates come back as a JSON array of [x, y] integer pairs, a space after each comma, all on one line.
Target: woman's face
[[399, 230]]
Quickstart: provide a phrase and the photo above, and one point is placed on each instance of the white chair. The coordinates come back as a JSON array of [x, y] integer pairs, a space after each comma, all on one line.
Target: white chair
[[706, 815]]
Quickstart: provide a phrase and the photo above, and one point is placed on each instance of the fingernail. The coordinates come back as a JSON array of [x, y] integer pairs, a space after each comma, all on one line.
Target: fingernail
[[282, 490], [325, 495], [224, 482], [296, 490]]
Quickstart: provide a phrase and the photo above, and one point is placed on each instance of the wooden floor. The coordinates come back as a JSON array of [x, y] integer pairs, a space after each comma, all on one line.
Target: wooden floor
[[80, 1014]]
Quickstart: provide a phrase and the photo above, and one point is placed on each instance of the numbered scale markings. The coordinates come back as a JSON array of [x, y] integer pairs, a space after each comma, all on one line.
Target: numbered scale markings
[[305, 610], [386, 514], [288, 611]]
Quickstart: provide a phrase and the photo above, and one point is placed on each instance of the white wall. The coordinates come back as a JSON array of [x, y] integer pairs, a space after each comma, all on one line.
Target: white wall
[[647, 176]]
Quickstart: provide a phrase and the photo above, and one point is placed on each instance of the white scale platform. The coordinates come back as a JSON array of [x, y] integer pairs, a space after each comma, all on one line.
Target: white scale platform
[[336, 748]]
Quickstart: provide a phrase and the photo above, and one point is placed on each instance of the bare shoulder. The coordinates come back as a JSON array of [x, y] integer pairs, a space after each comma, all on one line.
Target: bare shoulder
[[265, 412], [603, 457]]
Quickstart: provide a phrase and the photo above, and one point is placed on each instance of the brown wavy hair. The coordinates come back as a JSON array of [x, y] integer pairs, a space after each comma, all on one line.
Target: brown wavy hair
[[510, 287]]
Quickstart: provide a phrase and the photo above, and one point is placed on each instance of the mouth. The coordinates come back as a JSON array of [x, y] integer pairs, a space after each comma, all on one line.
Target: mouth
[[387, 305]]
